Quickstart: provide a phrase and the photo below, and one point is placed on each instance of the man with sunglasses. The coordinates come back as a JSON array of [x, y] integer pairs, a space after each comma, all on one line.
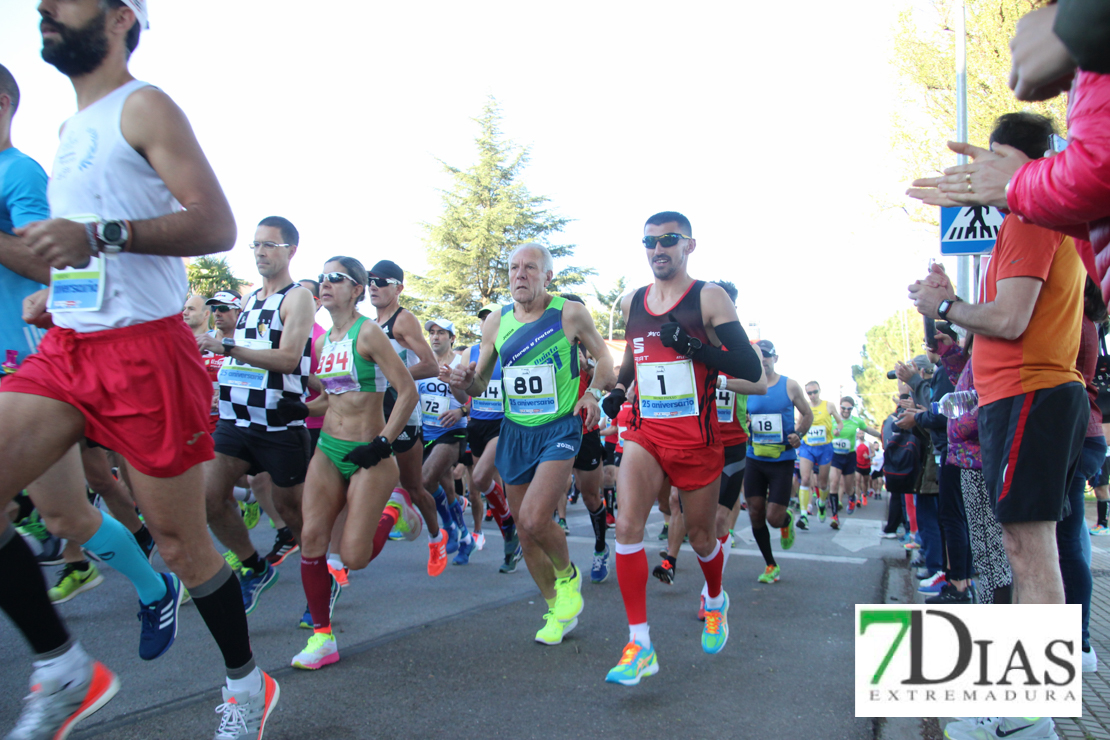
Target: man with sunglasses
[[816, 450], [263, 382], [843, 479], [680, 333], [387, 282], [224, 305]]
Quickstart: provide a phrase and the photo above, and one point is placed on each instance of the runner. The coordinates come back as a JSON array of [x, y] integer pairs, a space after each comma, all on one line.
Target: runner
[[262, 386], [225, 306], [863, 468], [675, 326], [487, 412], [131, 240], [196, 315], [535, 339], [352, 467], [387, 282], [844, 458], [816, 450], [771, 456]]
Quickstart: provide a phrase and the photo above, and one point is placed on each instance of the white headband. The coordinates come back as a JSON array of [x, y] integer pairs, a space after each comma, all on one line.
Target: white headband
[[139, 8]]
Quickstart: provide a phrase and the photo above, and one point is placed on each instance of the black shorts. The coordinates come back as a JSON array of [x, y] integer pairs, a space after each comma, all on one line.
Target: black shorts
[[406, 440], [590, 452], [769, 480], [617, 457], [876, 474], [845, 463], [456, 436], [284, 455], [1103, 477], [314, 439], [1031, 445], [610, 452], [465, 458], [732, 476], [480, 432], [863, 471]]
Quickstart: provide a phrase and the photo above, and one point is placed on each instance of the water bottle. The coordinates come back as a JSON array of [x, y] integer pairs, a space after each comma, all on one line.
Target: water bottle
[[956, 403]]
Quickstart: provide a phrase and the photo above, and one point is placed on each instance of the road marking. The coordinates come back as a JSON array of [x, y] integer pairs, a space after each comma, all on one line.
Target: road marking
[[742, 551], [858, 534]]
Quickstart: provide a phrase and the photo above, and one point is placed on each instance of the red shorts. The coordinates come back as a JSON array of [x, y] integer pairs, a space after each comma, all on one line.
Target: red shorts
[[688, 470], [142, 390]]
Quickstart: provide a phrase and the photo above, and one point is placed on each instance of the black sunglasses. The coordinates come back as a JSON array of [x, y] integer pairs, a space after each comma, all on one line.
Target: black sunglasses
[[382, 282], [221, 309], [336, 277], [847, 408], [663, 240]]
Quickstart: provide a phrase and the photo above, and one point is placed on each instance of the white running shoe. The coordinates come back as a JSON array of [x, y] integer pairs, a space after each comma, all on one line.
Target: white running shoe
[[1011, 728], [320, 651], [480, 541], [409, 523], [1090, 661]]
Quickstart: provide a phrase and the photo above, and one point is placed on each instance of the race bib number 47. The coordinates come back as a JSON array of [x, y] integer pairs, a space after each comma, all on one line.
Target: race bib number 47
[[530, 389], [666, 389]]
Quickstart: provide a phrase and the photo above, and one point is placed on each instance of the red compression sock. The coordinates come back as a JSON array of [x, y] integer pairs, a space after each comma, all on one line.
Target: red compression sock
[[317, 588], [385, 525], [632, 573], [713, 568]]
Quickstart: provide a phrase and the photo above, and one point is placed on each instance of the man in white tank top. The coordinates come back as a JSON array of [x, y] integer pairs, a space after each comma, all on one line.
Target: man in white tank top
[[131, 194]]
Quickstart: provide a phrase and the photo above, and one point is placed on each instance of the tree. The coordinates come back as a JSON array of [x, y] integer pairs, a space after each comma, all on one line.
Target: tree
[[209, 275], [925, 57], [897, 338], [486, 214], [610, 308]]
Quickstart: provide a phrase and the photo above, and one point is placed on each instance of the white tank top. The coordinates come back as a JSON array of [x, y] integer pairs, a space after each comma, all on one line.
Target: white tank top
[[96, 172]]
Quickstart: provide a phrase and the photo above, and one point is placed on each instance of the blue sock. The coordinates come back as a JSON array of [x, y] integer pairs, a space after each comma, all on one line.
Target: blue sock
[[443, 509], [117, 547]]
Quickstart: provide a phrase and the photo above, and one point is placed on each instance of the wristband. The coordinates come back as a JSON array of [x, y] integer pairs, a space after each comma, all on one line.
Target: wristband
[[90, 234], [722, 381]]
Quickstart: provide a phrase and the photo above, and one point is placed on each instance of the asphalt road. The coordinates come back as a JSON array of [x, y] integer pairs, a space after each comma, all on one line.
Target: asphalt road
[[455, 655]]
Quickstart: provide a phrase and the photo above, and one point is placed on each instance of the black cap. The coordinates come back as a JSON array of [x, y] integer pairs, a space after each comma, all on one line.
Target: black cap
[[388, 269], [766, 347]]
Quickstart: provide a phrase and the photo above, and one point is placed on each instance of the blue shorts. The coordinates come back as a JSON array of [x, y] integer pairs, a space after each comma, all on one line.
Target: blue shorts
[[521, 448], [817, 454], [845, 462]]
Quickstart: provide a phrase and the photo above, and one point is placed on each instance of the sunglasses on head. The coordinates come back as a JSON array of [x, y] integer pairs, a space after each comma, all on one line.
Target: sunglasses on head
[[336, 277], [222, 309], [382, 282], [663, 240]]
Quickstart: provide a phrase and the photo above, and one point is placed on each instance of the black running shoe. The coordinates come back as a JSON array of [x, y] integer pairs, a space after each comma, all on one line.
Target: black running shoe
[[665, 571], [284, 546], [949, 594]]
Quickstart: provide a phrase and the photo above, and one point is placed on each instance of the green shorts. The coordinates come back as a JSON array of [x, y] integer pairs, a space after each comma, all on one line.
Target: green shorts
[[336, 450]]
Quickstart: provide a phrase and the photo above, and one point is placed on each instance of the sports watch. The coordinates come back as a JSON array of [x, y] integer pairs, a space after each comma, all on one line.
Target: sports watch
[[228, 343], [112, 235], [596, 393], [946, 306]]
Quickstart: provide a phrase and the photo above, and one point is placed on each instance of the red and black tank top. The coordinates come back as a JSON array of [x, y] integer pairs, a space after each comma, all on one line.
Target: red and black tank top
[[675, 400]]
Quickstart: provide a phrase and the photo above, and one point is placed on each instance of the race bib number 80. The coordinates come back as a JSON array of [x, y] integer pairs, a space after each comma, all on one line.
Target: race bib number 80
[[530, 389], [666, 389]]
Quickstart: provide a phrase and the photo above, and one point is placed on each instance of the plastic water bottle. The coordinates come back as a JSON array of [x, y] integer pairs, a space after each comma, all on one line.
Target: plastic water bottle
[[10, 364], [956, 403]]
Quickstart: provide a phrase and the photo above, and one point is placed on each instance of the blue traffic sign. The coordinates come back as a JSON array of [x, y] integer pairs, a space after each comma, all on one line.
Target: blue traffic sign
[[969, 229]]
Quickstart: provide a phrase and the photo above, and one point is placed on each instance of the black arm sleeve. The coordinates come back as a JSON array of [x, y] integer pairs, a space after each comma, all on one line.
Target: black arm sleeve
[[740, 362], [1084, 27], [628, 367]]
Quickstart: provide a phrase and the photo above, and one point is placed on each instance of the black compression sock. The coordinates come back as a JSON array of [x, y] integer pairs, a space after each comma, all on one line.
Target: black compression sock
[[143, 537], [26, 506], [220, 603], [763, 539], [23, 597], [597, 519], [81, 565], [254, 562], [1102, 508], [834, 503]]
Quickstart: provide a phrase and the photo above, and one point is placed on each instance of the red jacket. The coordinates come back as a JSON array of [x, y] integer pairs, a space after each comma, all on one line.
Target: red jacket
[[1070, 192]]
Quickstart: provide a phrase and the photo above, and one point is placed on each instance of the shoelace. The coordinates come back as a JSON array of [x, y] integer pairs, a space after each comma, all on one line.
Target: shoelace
[[234, 719], [631, 650], [33, 713], [713, 622]]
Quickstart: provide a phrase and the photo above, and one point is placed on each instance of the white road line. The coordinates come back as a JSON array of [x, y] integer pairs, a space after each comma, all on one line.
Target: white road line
[[743, 551]]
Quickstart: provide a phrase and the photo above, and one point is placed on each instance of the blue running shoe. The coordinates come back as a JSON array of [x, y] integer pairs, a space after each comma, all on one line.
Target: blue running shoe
[[715, 634], [599, 569], [636, 662], [159, 620], [462, 557], [336, 592], [254, 584], [452, 539]]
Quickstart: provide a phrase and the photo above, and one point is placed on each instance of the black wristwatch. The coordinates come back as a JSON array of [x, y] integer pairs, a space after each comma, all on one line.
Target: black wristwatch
[[693, 346], [946, 306], [228, 343], [112, 235]]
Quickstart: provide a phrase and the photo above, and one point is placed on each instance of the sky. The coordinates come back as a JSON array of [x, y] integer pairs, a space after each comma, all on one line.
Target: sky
[[766, 124]]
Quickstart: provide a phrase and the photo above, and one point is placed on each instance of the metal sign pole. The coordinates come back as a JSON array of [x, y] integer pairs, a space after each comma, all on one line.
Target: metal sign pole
[[963, 264]]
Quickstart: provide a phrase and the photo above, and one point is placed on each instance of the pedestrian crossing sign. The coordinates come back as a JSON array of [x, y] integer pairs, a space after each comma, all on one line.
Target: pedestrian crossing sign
[[969, 229]]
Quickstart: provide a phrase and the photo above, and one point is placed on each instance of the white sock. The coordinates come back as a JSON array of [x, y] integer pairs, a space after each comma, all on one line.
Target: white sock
[[72, 663], [252, 683], [716, 603], [243, 494], [336, 562], [639, 633], [437, 538], [468, 540]]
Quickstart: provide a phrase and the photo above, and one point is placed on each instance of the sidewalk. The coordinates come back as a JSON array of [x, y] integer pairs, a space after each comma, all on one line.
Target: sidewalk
[[1095, 722]]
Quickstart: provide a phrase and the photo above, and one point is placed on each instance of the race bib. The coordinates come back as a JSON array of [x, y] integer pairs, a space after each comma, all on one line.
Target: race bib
[[666, 389], [489, 402], [237, 375], [767, 429], [337, 369], [817, 436], [78, 288], [531, 389], [431, 406], [841, 446], [726, 406]]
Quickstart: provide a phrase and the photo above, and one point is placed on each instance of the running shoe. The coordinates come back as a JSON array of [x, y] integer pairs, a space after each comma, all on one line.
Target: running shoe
[[489, 515], [820, 512], [863, 500], [811, 509], [479, 541], [150, 548], [53, 708], [715, 634], [462, 557], [665, 571], [233, 560], [72, 581], [992, 728], [665, 531], [409, 523], [1100, 531], [284, 546], [437, 556], [851, 507], [563, 525], [701, 609], [159, 620], [735, 540], [912, 545], [341, 575], [770, 575], [452, 545], [46, 547], [933, 584], [554, 631], [511, 560], [320, 651], [835, 522], [307, 623], [1090, 660], [787, 533], [917, 562], [243, 715], [949, 594], [610, 520], [803, 523], [636, 662], [568, 595], [252, 513], [889, 535], [253, 584], [599, 568]]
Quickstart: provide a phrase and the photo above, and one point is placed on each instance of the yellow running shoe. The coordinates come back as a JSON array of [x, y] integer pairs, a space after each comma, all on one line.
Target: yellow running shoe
[[320, 651], [568, 596], [554, 632], [72, 581]]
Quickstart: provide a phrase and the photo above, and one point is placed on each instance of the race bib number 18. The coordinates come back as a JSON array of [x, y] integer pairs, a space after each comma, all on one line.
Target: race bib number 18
[[530, 389], [666, 389], [767, 429]]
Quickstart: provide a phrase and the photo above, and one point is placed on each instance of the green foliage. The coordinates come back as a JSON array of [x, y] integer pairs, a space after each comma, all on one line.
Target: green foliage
[[486, 214], [925, 57], [897, 338], [610, 306], [209, 275]]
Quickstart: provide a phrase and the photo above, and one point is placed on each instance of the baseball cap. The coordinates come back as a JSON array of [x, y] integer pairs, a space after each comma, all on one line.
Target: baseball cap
[[922, 363], [388, 269], [766, 347], [224, 298], [487, 309], [138, 7], [447, 326]]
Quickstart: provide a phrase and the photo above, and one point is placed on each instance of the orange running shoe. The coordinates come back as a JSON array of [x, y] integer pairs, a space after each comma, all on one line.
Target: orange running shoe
[[340, 575], [437, 555]]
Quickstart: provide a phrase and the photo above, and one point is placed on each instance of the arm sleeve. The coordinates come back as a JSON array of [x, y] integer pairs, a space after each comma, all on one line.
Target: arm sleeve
[[741, 362], [1084, 27], [628, 367]]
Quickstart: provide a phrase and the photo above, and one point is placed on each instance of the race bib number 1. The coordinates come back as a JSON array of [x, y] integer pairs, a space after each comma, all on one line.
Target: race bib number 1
[[530, 389], [666, 389], [767, 429]]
